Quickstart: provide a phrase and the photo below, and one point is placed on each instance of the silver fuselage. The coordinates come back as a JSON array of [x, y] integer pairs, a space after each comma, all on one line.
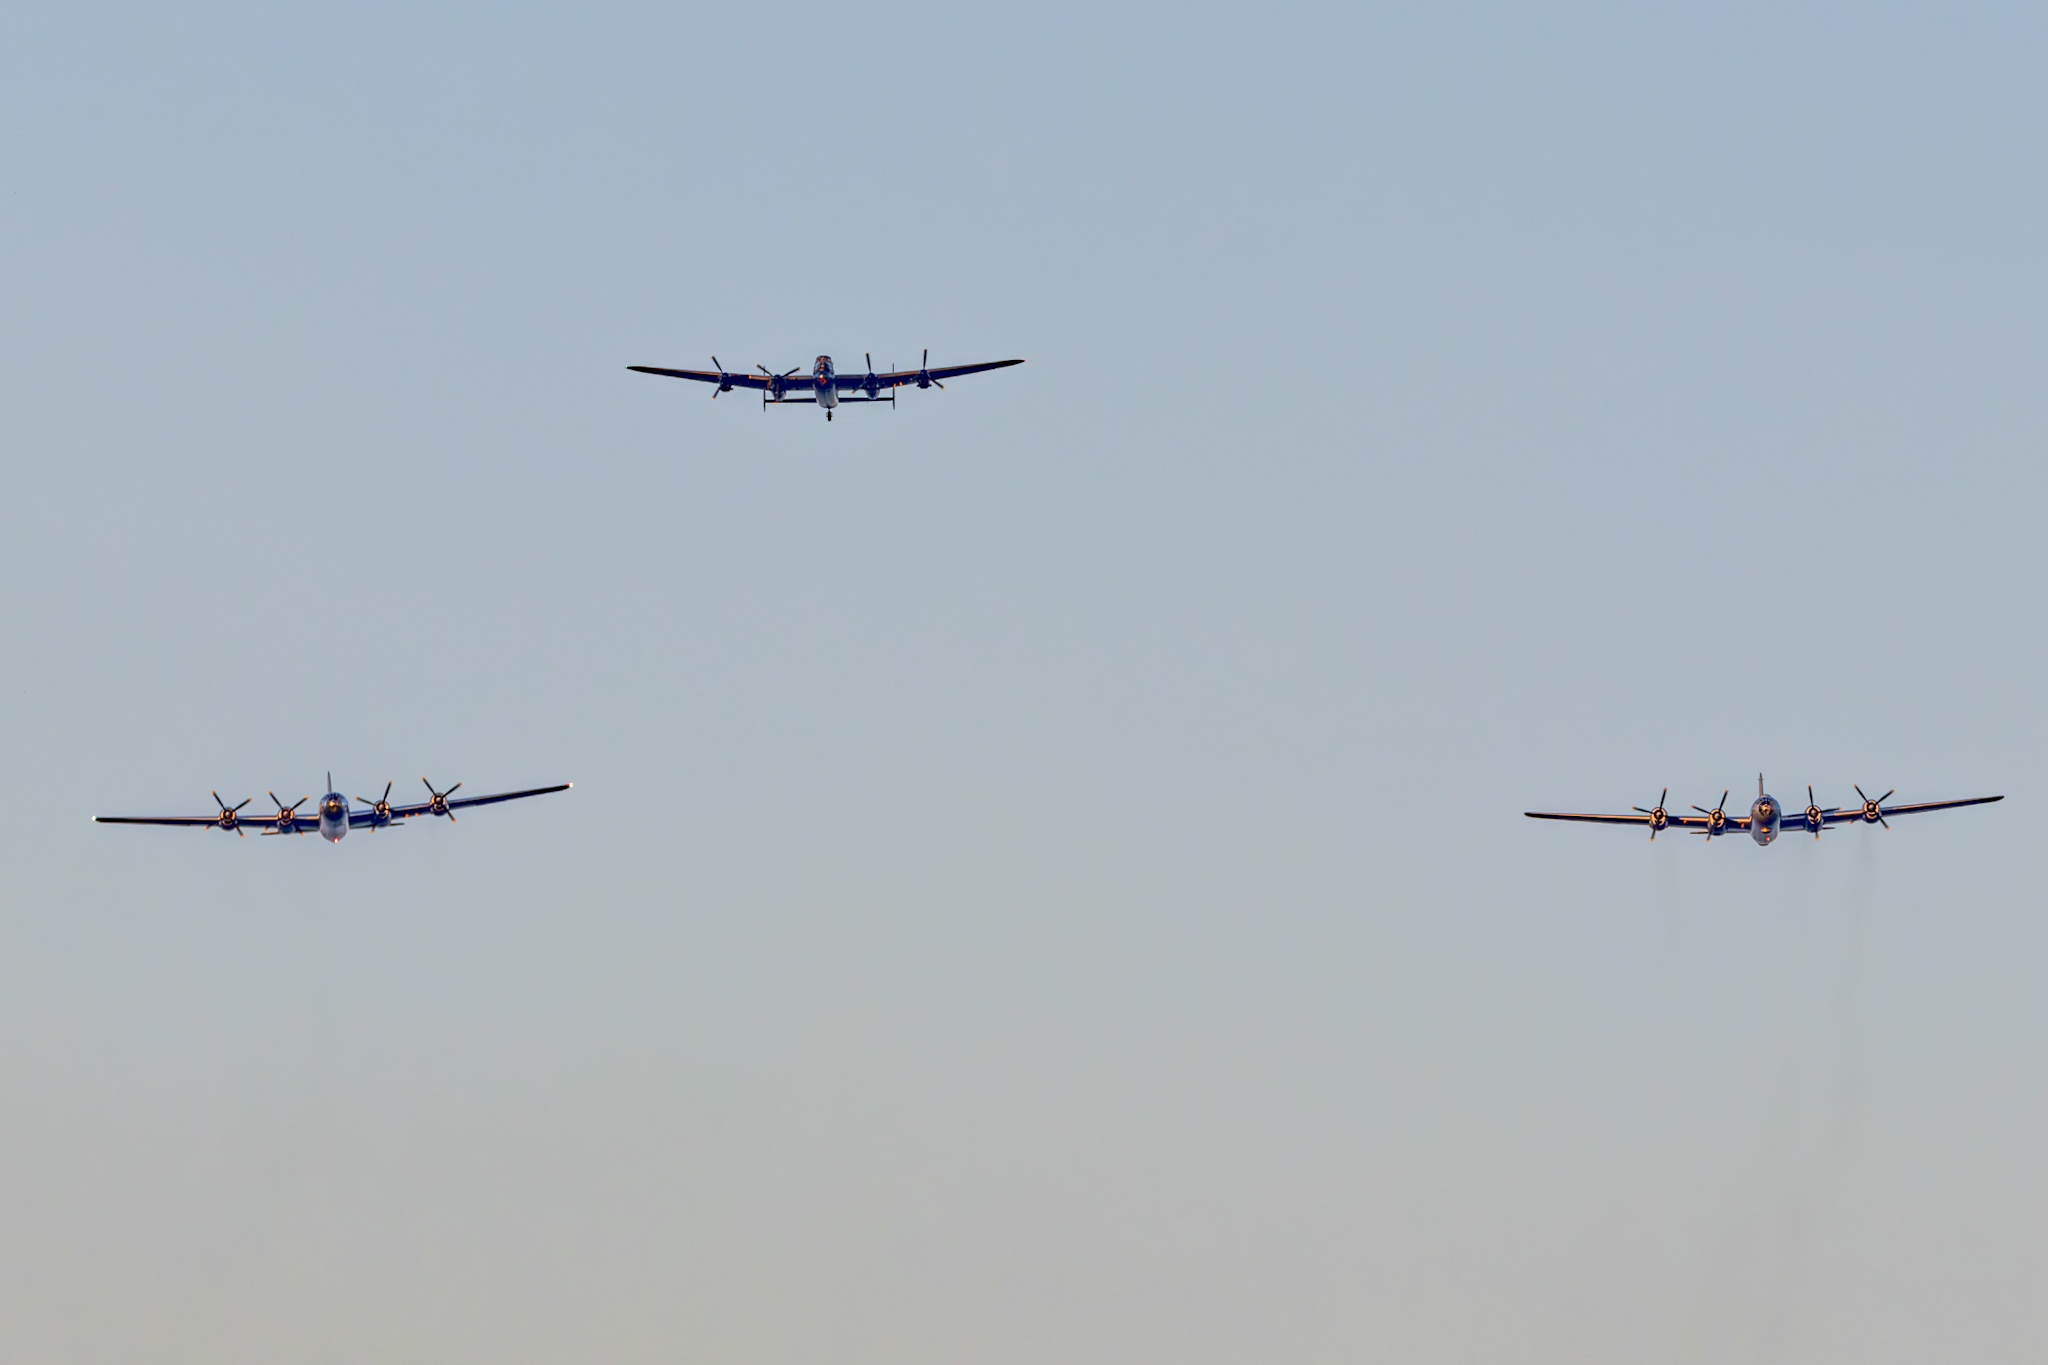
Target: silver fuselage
[[333, 817], [1764, 815]]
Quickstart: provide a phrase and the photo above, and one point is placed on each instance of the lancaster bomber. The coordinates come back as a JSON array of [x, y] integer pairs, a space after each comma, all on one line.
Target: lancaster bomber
[[1767, 816], [826, 386], [333, 817]]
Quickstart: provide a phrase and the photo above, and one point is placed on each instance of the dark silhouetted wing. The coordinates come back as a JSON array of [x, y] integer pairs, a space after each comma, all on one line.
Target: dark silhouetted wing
[[949, 371], [1854, 814], [738, 381], [464, 802], [248, 824], [1670, 821], [896, 379], [857, 382], [1919, 806]]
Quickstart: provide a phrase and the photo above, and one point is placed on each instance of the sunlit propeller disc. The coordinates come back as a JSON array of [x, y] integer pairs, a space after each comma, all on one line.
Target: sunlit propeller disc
[[228, 815], [1717, 818], [439, 804], [1659, 817], [286, 818], [381, 807], [1816, 815]]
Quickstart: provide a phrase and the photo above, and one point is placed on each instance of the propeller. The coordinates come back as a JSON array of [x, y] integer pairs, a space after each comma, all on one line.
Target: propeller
[[439, 804], [228, 814], [1717, 818], [1873, 809], [1659, 817], [871, 384], [286, 817], [381, 807], [924, 372], [724, 380], [1816, 817], [775, 383]]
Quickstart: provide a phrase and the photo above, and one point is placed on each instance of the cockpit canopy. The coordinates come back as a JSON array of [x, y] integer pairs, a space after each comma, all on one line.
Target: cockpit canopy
[[823, 365]]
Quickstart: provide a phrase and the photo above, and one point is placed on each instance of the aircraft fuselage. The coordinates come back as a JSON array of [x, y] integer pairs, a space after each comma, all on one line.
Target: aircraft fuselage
[[333, 817], [827, 385], [1764, 815]]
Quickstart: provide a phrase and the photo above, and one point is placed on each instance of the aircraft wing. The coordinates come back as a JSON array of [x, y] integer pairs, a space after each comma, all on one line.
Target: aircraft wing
[[1670, 821], [464, 802], [1886, 810], [948, 371], [896, 379], [261, 824], [738, 381], [1917, 807]]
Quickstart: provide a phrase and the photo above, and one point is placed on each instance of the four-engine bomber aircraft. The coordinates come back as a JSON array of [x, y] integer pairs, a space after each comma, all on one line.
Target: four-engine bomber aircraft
[[1767, 816], [826, 387], [333, 817]]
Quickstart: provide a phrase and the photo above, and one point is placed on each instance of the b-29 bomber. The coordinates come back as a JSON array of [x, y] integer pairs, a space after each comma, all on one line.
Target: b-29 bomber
[[1767, 816], [333, 817]]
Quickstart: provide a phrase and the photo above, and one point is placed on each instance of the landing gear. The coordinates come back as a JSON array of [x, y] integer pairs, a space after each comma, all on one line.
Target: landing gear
[[828, 414]]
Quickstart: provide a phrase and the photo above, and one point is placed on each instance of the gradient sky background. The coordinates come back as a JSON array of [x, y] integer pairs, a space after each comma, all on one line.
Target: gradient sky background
[[1046, 877]]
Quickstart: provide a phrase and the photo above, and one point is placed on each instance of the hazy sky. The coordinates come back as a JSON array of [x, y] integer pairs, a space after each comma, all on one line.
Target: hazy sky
[[1046, 877]]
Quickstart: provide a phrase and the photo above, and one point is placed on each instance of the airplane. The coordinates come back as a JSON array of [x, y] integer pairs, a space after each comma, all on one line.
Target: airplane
[[1767, 816], [333, 817], [827, 387]]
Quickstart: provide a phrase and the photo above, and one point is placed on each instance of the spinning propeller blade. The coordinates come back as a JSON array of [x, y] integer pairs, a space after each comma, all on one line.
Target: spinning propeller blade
[[1717, 818], [381, 807], [1873, 808], [286, 818], [1815, 815], [439, 803], [228, 814], [1658, 816]]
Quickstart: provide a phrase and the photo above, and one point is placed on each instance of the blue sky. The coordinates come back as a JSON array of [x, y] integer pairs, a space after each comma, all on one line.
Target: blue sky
[[1046, 874]]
